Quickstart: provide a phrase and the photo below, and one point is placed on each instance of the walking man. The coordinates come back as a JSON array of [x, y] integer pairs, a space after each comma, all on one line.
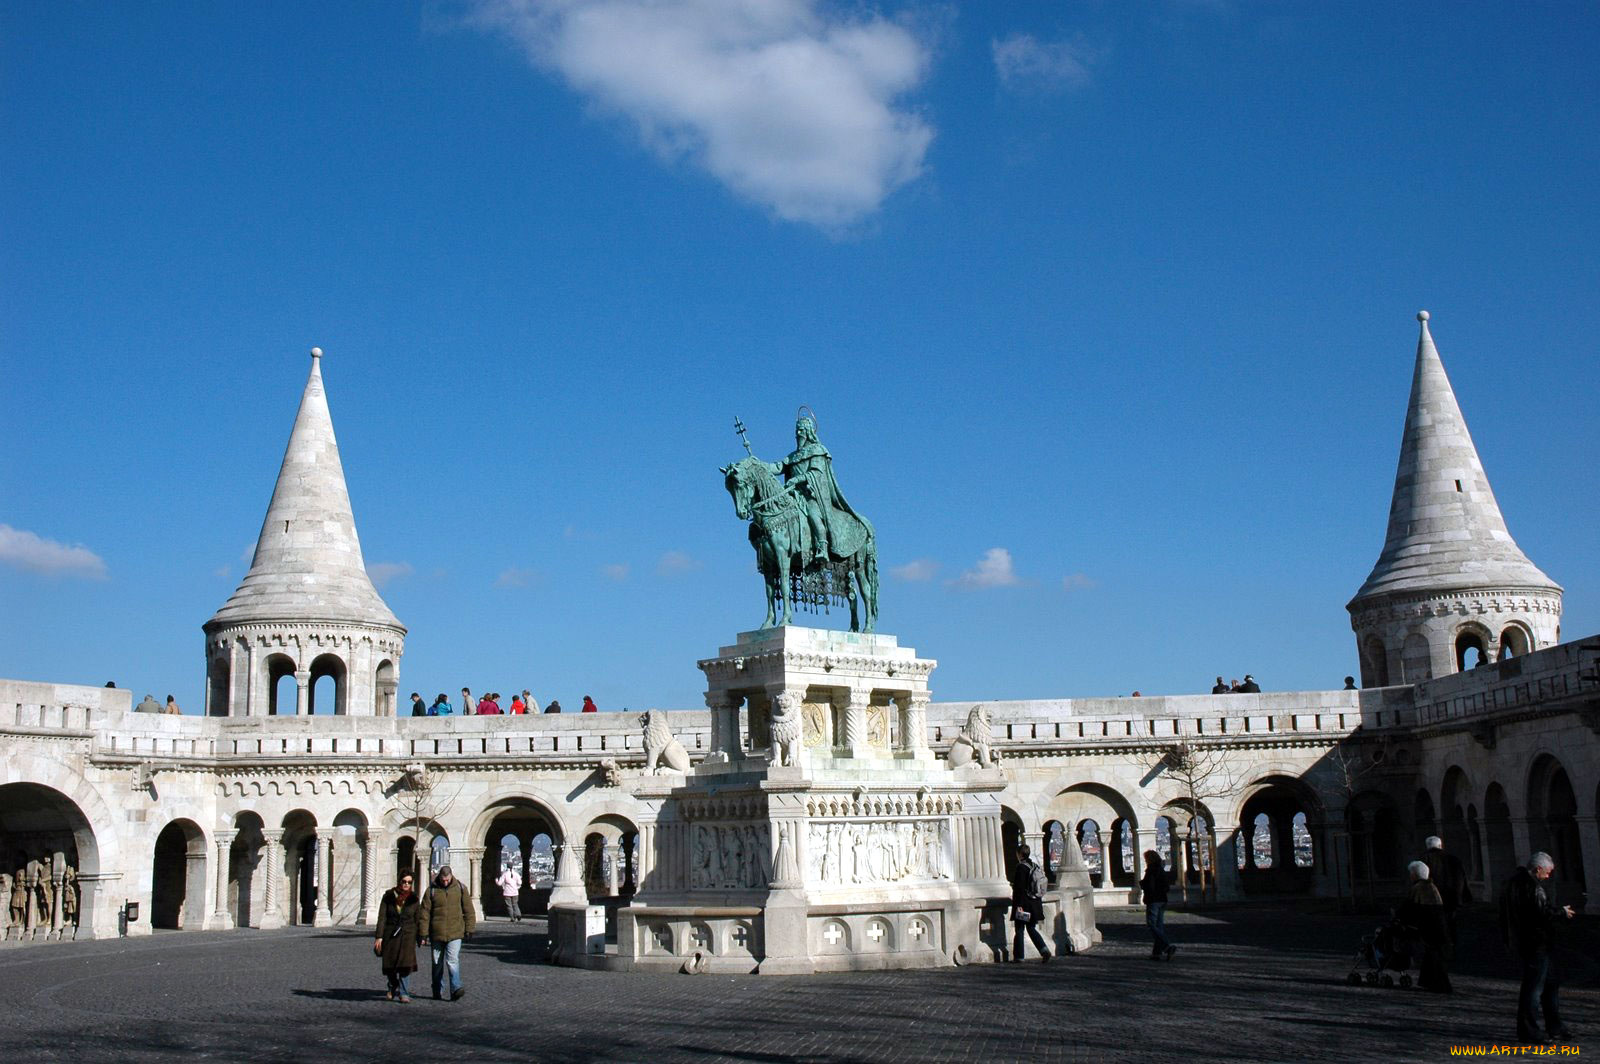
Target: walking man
[[1446, 872], [446, 918], [1527, 916], [1154, 888], [1027, 904]]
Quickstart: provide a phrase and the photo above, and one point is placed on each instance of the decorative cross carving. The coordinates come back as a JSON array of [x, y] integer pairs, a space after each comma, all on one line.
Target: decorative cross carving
[[702, 938], [833, 934], [917, 929], [875, 931], [741, 936]]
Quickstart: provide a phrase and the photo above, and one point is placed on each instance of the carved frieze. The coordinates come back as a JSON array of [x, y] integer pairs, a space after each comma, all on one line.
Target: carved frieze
[[848, 853]]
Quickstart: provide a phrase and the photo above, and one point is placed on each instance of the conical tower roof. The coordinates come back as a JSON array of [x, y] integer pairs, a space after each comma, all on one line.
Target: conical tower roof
[[1445, 529], [308, 566]]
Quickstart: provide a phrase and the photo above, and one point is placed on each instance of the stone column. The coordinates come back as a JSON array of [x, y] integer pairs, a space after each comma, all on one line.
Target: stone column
[[253, 705], [324, 913], [1522, 839], [914, 726], [473, 857], [57, 878], [853, 741], [1589, 841], [221, 918], [370, 849], [98, 904], [272, 861], [302, 693], [611, 858], [726, 743]]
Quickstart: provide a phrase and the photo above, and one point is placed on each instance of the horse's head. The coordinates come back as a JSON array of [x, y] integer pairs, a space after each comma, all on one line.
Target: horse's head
[[740, 486]]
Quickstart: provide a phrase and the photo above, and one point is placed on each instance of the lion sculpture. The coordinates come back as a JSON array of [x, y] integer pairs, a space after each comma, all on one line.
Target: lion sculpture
[[662, 753], [975, 743], [786, 729]]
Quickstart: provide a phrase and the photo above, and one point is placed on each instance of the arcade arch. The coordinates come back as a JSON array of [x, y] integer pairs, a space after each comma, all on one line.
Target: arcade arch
[[1499, 840], [1553, 818], [328, 686], [47, 837], [524, 821], [1280, 829], [245, 882], [178, 877]]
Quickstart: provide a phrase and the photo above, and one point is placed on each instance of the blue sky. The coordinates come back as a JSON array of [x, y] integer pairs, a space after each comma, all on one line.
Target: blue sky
[[1125, 292]]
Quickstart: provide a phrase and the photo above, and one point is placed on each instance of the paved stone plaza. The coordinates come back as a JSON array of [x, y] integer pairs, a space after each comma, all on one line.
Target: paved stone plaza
[[1249, 984]]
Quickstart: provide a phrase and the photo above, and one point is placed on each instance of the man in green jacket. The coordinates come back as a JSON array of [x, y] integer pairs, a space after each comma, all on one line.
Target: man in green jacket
[[445, 919]]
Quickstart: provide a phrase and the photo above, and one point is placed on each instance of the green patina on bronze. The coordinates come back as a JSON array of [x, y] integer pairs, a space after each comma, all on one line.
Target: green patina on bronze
[[811, 546]]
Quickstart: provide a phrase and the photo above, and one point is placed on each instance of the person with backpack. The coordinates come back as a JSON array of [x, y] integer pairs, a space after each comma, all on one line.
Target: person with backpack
[[1154, 889], [445, 919], [1027, 904]]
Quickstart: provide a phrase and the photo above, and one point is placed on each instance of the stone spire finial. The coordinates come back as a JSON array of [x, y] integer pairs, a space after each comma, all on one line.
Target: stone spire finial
[[307, 564], [1445, 528], [1450, 578]]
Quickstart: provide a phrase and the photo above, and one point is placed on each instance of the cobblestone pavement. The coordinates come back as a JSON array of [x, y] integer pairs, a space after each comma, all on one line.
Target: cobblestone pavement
[[1249, 984]]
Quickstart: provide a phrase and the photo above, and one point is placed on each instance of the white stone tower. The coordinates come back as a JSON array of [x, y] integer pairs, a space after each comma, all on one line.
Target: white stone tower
[[1450, 580], [306, 608]]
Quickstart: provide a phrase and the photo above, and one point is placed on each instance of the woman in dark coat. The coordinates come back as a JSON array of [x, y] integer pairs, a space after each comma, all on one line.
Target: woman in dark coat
[[396, 943], [1423, 911]]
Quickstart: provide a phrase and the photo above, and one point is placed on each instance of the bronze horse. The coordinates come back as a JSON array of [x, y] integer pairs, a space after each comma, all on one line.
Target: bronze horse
[[781, 536]]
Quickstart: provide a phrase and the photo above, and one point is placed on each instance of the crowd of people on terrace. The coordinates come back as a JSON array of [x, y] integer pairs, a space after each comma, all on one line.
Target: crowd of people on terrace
[[490, 705]]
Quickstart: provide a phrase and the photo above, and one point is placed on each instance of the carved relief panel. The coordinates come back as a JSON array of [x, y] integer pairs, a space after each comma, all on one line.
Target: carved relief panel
[[850, 852]]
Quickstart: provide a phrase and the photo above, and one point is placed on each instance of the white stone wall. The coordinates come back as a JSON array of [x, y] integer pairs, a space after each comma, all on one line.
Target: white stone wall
[[128, 775]]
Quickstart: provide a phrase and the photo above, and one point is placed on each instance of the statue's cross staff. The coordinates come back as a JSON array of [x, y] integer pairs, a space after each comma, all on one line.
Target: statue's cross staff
[[738, 426]]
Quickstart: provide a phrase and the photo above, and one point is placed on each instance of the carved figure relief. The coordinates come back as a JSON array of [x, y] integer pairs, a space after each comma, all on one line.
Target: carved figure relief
[[817, 729], [730, 856], [878, 726], [846, 853]]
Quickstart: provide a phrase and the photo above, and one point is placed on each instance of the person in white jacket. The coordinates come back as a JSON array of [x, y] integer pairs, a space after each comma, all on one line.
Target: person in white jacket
[[510, 884]]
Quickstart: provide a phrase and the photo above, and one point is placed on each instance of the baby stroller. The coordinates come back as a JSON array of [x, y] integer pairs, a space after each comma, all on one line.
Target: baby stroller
[[1390, 956]]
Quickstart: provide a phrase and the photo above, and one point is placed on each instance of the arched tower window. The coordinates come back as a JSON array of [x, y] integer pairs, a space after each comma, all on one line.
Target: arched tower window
[[1374, 663], [1470, 651]]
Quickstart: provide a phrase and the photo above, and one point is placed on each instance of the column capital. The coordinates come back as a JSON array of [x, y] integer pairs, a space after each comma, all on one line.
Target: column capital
[[326, 833], [723, 700], [852, 698], [225, 836], [273, 836]]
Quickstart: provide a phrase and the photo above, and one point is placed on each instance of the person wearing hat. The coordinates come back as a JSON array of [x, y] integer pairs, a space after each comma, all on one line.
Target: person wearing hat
[[1249, 687], [445, 919]]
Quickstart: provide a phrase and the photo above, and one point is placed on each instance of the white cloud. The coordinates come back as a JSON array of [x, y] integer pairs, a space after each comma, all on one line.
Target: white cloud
[[675, 561], [27, 550], [515, 577], [919, 571], [1078, 581], [994, 569], [1027, 64], [617, 572], [382, 573], [792, 104], [221, 572]]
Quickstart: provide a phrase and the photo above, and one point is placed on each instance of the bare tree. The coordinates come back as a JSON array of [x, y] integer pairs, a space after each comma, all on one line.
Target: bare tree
[[1350, 763], [422, 802], [1203, 774]]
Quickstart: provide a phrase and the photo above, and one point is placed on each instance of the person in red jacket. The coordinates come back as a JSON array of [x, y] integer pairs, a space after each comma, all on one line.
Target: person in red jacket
[[488, 706], [518, 705], [589, 706]]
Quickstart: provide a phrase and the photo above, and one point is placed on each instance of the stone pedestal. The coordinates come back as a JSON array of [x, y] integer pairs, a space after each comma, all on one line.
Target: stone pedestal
[[821, 834]]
